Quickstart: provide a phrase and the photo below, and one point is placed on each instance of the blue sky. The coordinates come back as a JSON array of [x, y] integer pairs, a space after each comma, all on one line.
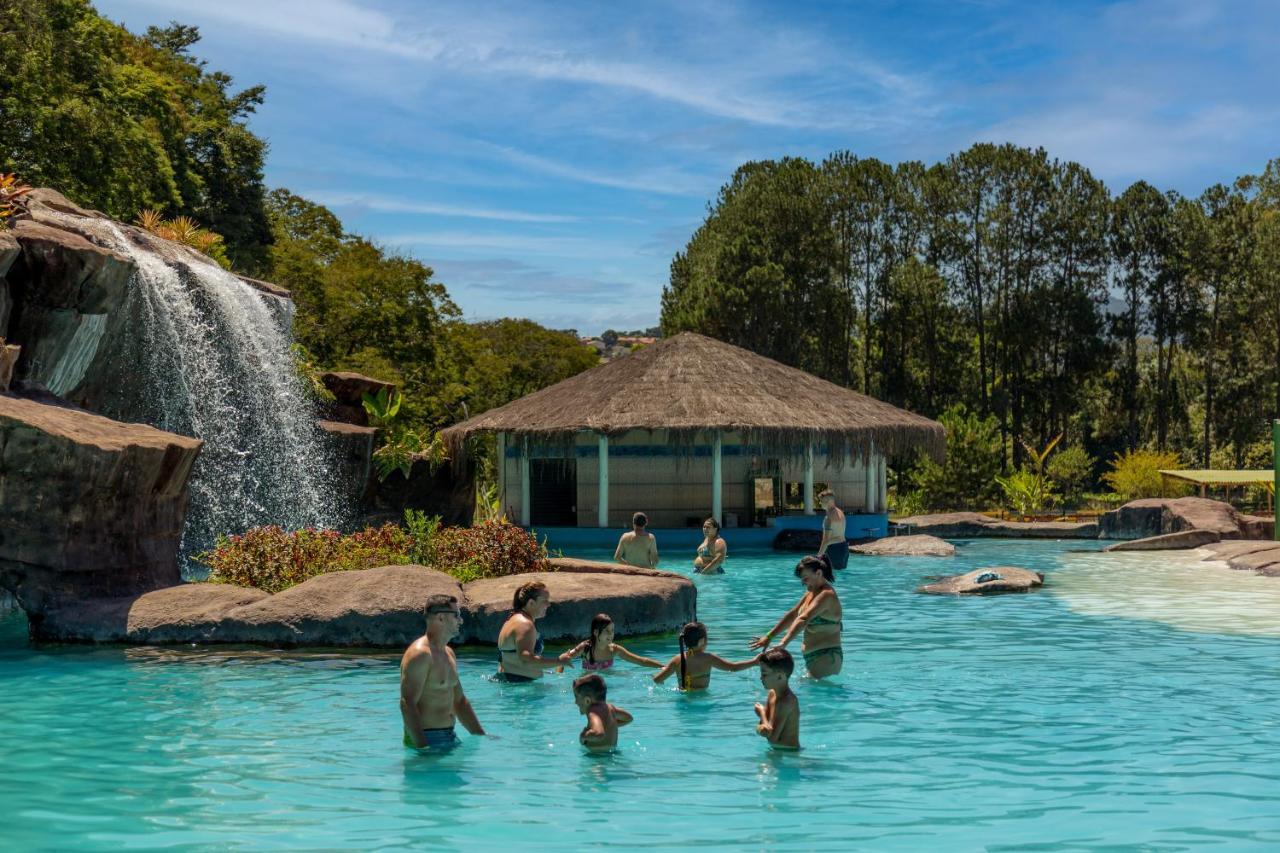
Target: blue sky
[[548, 159]]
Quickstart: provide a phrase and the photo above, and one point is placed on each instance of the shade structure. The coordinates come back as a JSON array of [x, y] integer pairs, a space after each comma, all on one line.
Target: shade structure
[[691, 386], [1209, 477]]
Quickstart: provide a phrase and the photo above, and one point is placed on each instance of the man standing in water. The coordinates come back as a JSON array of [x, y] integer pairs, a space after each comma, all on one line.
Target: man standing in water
[[637, 547], [431, 696], [834, 544]]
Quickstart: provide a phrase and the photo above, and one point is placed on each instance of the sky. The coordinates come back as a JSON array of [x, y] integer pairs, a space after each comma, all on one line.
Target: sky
[[547, 160]]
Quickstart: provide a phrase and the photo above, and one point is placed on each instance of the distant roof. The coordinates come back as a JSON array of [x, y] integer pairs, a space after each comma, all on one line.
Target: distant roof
[[1210, 477], [690, 384]]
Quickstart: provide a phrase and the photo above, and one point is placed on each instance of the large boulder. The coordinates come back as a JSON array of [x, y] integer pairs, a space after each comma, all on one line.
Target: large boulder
[[9, 356], [640, 602], [374, 607], [9, 251], [92, 508], [971, 525], [989, 581], [1183, 539], [187, 613], [1156, 516], [918, 545]]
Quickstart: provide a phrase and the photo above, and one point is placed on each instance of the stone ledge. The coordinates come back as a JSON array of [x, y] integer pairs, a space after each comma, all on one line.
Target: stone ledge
[[968, 525]]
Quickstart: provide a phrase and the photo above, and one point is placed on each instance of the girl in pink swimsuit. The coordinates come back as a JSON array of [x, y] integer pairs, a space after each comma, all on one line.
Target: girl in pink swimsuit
[[599, 651]]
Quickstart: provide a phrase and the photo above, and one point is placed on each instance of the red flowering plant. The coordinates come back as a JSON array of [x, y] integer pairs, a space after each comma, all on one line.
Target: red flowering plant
[[491, 549], [272, 559]]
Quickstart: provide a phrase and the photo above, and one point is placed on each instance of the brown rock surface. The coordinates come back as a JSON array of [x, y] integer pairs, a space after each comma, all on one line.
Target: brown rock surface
[[187, 613], [374, 607], [9, 355], [9, 251], [352, 448], [967, 525], [648, 603], [797, 540], [916, 545], [1011, 579], [1260, 557], [64, 270], [1157, 516], [1183, 539], [348, 390], [92, 507]]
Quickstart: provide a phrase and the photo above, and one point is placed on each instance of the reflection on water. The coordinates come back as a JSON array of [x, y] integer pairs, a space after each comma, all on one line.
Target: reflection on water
[[1178, 588]]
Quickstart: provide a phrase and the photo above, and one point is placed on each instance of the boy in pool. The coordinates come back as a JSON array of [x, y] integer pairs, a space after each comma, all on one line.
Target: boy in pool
[[603, 719], [780, 713]]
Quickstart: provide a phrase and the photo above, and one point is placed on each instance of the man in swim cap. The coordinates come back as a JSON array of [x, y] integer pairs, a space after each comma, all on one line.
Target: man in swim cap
[[431, 697], [637, 547]]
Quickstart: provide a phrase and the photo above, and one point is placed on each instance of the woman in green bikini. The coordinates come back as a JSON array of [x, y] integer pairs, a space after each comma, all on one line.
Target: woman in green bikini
[[819, 613]]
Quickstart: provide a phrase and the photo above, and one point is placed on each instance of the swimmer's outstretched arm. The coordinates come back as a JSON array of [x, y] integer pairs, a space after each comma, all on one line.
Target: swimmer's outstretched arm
[[665, 672], [802, 619], [787, 619], [732, 666], [634, 658], [621, 716]]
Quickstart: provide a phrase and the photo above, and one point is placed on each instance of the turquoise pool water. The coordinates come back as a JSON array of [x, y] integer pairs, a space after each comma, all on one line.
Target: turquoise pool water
[[1066, 719]]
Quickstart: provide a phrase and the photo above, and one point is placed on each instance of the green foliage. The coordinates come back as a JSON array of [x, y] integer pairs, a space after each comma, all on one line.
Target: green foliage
[[1071, 470], [489, 549], [185, 230], [489, 502], [11, 189], [1026, 492], [1136, 474], [966, 480], [422, 529], [120, 122], [401, 447], [383, 407], [271, 559]]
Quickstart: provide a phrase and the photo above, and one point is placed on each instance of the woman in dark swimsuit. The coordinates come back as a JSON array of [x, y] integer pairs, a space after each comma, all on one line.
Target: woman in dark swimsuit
[[519, 646], [819, 613]]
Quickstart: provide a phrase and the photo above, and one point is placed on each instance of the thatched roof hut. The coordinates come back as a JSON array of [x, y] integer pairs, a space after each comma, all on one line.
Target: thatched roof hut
[[691, 386]]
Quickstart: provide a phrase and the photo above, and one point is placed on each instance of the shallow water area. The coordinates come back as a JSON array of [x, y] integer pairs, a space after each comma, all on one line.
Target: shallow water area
[[958, 723]]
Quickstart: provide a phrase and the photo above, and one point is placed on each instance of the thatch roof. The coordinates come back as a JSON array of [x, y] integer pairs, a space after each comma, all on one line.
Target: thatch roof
[[690, 385]]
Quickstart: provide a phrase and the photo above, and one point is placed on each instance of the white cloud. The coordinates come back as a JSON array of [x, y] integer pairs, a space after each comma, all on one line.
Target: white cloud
[[386, 204]]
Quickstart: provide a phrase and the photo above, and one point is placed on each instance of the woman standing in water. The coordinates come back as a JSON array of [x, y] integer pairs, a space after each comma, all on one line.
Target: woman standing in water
[[712, 551], [819, 614], [519, 646]]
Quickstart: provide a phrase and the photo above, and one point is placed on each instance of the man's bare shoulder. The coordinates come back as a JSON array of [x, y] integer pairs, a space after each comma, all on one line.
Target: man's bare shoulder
[[419, 652]]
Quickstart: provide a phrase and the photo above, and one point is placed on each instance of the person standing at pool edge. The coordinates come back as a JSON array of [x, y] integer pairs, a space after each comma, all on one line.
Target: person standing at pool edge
[[431, 696], [637, 547], [834, 544]]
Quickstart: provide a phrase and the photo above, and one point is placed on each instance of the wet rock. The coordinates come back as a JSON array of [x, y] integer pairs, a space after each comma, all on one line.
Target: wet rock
[[917, 545], [9, 356], [9, 251], [448, 491], [1260, 557], [92, 508], [640, 602], [970, 525], [989, 581], [351, 448], [1168, 541]]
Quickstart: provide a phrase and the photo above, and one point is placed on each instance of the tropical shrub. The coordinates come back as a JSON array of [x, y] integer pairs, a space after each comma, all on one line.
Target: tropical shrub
[[967, 478], [1026, 492], [1136, 474], [399, 446], [11, 189], [272, 559], [1071, 471], [491, 549], [185, 230]]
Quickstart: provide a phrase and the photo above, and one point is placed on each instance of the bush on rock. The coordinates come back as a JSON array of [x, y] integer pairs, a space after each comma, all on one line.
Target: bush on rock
[[272, 559]]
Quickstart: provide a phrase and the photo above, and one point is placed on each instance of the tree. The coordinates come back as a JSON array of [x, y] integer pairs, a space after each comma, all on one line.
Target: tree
[[123, 123]]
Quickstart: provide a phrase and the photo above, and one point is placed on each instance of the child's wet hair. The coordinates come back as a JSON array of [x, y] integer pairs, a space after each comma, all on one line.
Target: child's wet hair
[[820, 563], [598, 624], [779, 659], [592, 686], [690, 635]]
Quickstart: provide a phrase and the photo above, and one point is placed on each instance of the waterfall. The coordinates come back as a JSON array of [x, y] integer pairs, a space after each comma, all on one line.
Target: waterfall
[[209, 356]]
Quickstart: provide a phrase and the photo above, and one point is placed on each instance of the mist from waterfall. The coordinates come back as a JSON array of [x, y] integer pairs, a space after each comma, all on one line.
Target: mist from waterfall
[[212, 359]]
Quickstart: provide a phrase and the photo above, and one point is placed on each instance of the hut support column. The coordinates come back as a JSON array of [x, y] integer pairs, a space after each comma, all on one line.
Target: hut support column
[[502, 472], [717, 498], [869, 473], [808, 479], [525, 502], [603, 519]]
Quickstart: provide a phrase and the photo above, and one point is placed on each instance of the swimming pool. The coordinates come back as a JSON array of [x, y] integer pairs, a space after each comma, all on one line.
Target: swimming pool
[[1064, 718]]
